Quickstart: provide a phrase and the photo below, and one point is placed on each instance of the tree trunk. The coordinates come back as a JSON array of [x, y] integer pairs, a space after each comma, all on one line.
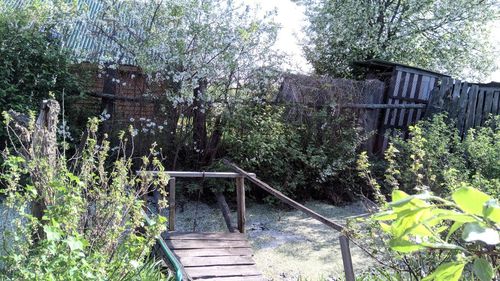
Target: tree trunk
[[199, 116]]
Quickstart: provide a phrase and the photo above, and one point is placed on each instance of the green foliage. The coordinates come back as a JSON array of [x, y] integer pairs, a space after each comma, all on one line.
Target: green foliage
[[33, 63], [434, 158], [461, 235], [80, 219], [450, 228], [302, 158], [451, 36]]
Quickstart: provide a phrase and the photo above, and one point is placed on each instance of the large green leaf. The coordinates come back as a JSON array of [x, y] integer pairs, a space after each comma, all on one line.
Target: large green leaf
[[447, 272], [470, 200], [404, 246], [74, 243], [454, 227], [491, 211], [482, 269], [52, 233], [398, 195], [476, 232]]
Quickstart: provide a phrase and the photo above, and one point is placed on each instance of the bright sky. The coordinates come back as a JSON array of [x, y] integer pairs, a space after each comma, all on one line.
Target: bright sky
[[291, 17]]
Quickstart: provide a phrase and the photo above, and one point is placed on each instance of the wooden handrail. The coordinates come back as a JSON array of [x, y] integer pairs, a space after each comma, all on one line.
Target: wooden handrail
[[188, 174], [285, 198], [240, 192], [344, 240]]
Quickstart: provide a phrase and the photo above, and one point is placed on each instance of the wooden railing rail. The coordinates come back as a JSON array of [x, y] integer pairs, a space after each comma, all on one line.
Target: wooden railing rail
[[344, 240], [240, 192]]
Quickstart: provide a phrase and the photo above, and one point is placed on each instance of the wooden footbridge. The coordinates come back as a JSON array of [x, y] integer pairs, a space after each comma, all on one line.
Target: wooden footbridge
[[227, 256]]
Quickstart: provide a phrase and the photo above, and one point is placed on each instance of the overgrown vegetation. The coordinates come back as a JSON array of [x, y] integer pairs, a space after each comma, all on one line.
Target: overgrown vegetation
[[305, 159], [79, 218], [449, 228], [33, 63]]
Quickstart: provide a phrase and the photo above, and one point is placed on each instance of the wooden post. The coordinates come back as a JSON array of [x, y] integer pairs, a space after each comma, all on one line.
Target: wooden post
[[240, 197], [171, 205], [346, 258]]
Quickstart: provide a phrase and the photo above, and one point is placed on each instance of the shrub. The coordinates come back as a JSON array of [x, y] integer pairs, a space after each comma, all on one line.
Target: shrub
[[303, 159], [33, 63], [457, 237], [450, 228], [435, 158], [80, 219]]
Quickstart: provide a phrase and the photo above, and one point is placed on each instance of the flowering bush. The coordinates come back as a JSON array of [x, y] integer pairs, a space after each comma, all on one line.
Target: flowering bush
[[79, 218]]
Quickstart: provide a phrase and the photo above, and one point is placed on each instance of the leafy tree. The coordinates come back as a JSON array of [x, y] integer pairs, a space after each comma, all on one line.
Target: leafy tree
[[203, 53], [33, 63], [448, 36]]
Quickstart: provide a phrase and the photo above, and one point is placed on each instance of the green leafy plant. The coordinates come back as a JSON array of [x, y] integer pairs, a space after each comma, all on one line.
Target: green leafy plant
[[461, 234], [33, 63], [79, 218], [302, 158], [449, 228], [435, 158]]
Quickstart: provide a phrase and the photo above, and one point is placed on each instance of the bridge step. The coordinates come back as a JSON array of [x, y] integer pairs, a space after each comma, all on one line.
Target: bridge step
[[214, 256]]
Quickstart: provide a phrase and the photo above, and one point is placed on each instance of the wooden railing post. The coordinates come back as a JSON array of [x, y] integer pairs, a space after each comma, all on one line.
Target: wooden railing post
[[171, 204], [346, 258], [240, 197]]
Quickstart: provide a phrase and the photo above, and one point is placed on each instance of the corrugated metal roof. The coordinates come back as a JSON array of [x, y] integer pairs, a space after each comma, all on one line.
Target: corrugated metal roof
[[85, 42]]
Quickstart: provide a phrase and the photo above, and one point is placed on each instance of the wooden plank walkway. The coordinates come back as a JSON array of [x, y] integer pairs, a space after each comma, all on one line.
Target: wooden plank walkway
[[214, 256]]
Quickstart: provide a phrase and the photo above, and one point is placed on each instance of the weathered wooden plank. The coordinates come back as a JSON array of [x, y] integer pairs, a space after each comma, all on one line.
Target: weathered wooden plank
[[454, 102], [471, 108], [346, 258], [213, 252], [413, 119], [240, 198], [188, 174], [206, 244], [172, 205], [488, 103], [204, 236], [404, 94], [385, 106], [218, 260], [495, 106], [462, 104], [479, 108], [246, 278], [222, 271]]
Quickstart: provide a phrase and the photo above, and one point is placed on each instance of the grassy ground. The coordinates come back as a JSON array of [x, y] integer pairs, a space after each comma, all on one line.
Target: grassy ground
[[288, 245]]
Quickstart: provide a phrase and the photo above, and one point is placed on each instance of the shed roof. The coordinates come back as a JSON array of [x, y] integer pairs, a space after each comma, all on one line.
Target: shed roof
[[383, 64]]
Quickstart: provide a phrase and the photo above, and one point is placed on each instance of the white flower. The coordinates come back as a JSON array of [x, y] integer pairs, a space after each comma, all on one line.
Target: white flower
[[160, 127], [132, 119], [134, 132]]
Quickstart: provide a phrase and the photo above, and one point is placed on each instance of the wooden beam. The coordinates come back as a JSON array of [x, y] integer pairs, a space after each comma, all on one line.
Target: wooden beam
[[226, 213], [171, 204], [384, 106], [187, 174], [122, 98], [346, 258], [240, 196], [285, 198]]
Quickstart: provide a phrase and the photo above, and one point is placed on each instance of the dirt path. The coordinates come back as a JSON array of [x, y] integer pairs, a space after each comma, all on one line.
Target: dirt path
[[288, 245]]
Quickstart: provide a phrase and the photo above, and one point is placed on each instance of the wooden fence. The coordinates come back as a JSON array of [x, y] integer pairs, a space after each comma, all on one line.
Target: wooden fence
[[409, 93], [470, 105]]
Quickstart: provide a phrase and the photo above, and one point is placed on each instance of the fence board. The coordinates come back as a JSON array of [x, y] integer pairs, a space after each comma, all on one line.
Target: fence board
[[471, 108], [488, 102], [462, 103], [495, 105], [479, 108]]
